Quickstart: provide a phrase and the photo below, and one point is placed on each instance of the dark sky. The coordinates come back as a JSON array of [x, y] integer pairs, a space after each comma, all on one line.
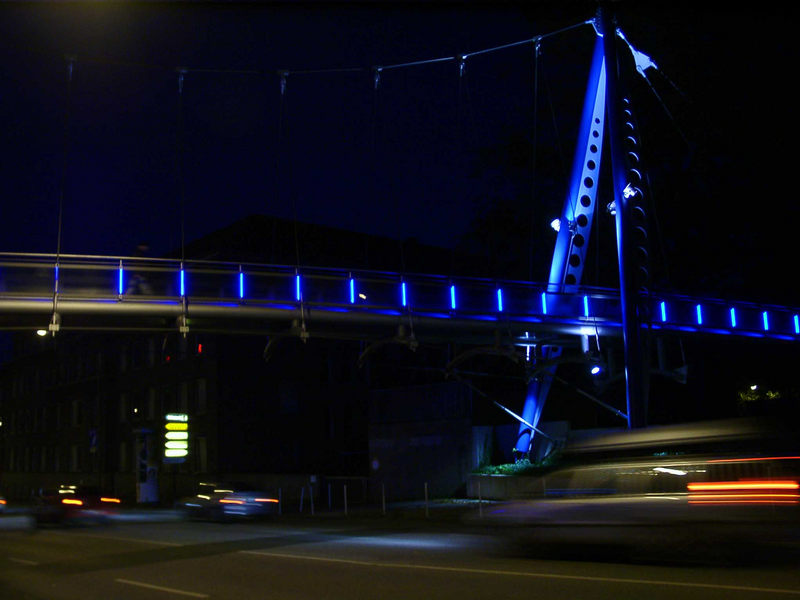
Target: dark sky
[[420, 156]]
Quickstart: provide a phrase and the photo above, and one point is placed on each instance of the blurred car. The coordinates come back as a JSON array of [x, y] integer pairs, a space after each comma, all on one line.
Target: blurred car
[[227, 501], [74, 505], [719, 489]]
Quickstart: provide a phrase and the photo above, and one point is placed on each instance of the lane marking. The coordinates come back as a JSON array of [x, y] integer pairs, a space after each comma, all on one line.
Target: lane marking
[[685, 584], [150, 586], [23, 561], [119, 538]]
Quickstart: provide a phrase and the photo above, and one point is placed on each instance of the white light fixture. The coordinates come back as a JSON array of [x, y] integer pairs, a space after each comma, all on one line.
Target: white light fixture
[[753, 387], [556, 225], [629, 191], [670, 471], [41, 332]]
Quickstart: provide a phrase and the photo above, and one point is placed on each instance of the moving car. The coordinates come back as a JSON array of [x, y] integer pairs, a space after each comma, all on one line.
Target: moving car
[[715, 490], [75, 505], [227, 501]]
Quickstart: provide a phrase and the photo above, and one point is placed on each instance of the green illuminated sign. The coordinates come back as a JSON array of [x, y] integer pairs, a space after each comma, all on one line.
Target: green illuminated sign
[[176, 437]]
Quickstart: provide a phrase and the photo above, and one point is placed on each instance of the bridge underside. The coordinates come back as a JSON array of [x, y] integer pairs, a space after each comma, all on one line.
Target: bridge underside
[[318, 321]]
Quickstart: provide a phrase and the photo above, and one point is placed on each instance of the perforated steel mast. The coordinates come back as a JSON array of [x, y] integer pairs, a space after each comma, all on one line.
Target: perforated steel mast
[[606, 115]]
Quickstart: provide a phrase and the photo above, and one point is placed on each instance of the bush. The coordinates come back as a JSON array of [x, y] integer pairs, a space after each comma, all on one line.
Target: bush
[[521, 467]]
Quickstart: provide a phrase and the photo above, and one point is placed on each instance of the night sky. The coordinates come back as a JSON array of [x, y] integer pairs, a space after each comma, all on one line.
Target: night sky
[[423, 156]]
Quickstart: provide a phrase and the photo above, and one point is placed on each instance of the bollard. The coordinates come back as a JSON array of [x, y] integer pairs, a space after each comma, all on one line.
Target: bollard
[[427, 514], [480, 501], [302, 493], [345, 499]]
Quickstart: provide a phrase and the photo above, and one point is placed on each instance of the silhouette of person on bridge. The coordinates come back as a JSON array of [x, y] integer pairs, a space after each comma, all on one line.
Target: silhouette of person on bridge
[[138, 283]]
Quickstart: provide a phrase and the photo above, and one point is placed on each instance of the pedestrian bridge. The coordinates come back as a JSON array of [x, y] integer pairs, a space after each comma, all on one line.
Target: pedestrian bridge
[[113, 293]]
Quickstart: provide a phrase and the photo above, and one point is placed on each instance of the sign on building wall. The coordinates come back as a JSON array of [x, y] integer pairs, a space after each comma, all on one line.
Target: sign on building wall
[[176, 437]]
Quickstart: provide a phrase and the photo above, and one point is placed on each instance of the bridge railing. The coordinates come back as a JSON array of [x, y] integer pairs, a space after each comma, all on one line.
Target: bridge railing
[[129, 279]]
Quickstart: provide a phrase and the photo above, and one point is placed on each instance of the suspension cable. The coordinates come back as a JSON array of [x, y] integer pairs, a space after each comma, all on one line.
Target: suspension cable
[[65, 155], [536, 53], [179, 151], [55, 319], [283, 128]]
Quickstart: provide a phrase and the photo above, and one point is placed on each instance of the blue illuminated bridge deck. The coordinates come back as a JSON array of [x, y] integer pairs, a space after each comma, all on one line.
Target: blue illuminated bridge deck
[[105, 293]]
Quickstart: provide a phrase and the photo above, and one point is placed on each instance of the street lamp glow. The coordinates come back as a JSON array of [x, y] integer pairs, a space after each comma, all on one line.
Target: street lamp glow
[[41, 332]]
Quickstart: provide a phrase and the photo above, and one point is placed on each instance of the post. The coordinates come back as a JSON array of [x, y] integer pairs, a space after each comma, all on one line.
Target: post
[[636, 381], [311, 498], [383, 499], [345, 499], [302, 493], [480, 500], [427, 514]]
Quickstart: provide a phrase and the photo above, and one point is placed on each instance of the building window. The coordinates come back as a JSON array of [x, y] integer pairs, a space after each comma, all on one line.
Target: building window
[[183, 400], [151, 353], [201, 452], [151, 403], [201, 396], [123, 408], [76, 413], [123, 457], [74, 463]]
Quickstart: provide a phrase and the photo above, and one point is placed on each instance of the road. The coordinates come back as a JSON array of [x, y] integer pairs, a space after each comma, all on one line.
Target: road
[[330, 557]]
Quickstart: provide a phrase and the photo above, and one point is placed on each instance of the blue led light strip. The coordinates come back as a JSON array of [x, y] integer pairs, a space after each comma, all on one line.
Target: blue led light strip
[[120, 279], [183, 282], [453, 297], [499, 300], [544, 303], [586, 306], [403, 297], [699, 310], [241, 285], [765, 318], [733, 317], [663, 312], [352, 291], [297, 287], [797, 324]]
